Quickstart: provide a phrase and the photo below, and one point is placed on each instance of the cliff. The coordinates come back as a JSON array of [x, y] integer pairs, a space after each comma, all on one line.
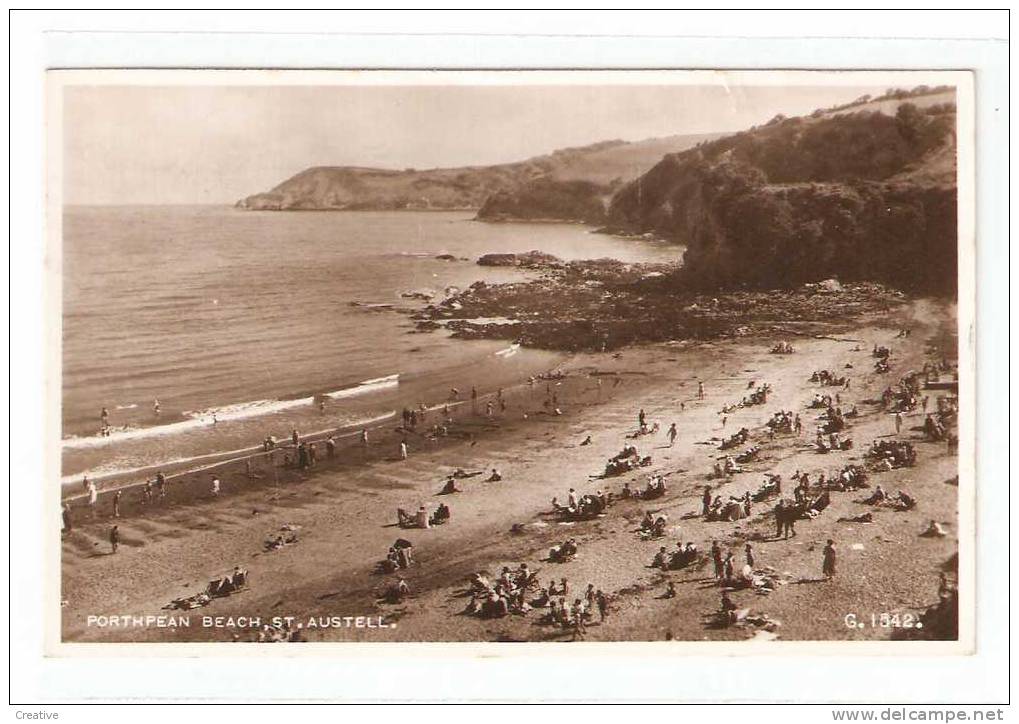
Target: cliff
[[580, 180], [857, 194]]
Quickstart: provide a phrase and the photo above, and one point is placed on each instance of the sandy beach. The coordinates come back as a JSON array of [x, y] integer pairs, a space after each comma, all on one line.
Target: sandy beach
[[344, 510]]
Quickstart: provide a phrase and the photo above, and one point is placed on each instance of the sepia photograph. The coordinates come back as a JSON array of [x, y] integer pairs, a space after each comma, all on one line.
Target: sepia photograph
[[546, 357]]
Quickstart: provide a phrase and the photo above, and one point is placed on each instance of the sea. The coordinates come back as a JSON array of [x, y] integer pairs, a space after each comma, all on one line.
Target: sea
[[239, 324]]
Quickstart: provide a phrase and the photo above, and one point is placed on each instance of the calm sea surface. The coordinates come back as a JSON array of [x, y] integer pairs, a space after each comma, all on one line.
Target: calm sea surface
[[248, 316]]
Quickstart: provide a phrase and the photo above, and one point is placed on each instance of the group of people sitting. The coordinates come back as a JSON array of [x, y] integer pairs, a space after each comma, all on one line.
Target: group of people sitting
[[565, 551], [683, 556], [851, 477], [737, 438], [230, 583], [287, 535], [833, 441], [730, 510], [772, 485], [400, 556], [653, 526], [726, 467], [582, 506], [508, 593], [625, 460], [785, 423], [422, 519], [900, 501], [891, 454], [827, 378], [782, 348]]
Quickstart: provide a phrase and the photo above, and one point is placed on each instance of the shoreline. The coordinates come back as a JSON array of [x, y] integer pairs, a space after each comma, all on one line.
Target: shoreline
[[346, 512]]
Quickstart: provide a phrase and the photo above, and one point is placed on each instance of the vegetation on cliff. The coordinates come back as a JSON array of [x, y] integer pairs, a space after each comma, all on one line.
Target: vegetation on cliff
[[859, 195]]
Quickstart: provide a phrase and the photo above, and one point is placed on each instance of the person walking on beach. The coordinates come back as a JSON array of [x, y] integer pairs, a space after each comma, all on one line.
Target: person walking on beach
[[114, 538], [828, 564], [161, 483], [672, 434], [116, 504], [93, 496], [215, 486], [403, 449], [898, 423], [104, 418]]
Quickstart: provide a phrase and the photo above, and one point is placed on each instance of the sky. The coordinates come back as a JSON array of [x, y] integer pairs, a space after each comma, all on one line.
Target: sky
[[218, 144]]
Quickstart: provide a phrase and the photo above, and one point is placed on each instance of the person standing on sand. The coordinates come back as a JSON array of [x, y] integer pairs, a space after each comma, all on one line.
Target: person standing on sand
[[828, 565], [114, 538], [104, 418], [672, 434], [364, 437], [727, 567], [700, 390], [724, 420], [65, 514], [312, 454], [706, 501], [330, 447], [716, 558], [779, 517], [161, 483], [750, 554], [295, 437], [215, 486], [603, 604], [798, 425], [898, 422], [474, 400], [93, 496], [116, 504], [155, 408], [641, 419], [403, 449]]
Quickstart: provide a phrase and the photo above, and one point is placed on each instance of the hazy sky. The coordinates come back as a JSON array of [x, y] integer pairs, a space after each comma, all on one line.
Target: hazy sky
[[173, 145]]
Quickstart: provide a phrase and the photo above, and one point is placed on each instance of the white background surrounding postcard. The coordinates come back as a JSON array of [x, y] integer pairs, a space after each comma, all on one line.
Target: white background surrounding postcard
[[624, 674]]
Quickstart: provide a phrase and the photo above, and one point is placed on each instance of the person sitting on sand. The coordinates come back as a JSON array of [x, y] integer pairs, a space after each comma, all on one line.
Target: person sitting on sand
[[587, 441], [495, 477], [450, 487], [661, 559]]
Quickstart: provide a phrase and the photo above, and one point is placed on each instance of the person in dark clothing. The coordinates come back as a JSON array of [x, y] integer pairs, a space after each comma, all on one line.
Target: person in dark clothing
[[716, 557], [116, 504], [706, 501], [114, 538], [750, 554], [828, 564], [66, 515]]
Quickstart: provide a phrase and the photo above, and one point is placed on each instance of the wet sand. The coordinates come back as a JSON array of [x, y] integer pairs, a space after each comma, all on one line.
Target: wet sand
[[346, 510]]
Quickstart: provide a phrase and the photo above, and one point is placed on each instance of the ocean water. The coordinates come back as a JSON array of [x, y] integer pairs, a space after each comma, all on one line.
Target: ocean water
[[240, 323]]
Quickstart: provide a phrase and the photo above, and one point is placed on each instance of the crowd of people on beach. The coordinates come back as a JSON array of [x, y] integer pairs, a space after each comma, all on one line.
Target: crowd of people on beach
[[519, 591]]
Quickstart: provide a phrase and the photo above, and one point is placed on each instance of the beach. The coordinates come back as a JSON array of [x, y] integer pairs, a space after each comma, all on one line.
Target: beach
[[343, 511]]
